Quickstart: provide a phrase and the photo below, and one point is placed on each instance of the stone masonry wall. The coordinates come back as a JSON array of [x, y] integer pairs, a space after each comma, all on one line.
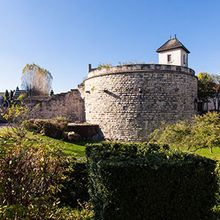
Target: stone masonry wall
[[128, 102], [69, 105]]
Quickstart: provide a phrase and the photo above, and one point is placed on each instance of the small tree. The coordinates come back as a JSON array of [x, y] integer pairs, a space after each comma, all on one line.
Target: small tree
[[11, 95], [206, 88], [202, 132], [206, 131], [216, 98], [51, 92], [6, 94]]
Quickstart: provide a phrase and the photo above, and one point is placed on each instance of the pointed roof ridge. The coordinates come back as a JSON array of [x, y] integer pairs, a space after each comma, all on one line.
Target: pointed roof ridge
[[171, 44]]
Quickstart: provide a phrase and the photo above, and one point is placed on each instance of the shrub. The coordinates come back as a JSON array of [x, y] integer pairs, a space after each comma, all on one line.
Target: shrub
[[84, 213], [15, 113], [54, 128], [131, 181], [202, 132], [22, 96], [206, 131], [29, 177], [104, 66], [35, 125], [174, 135]]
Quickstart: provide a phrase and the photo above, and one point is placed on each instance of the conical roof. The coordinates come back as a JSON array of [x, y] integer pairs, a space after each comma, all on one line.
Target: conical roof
[[171, 44]]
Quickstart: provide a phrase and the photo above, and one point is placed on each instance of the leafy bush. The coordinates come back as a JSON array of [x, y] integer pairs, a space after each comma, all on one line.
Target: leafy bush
[[34, 125], [22, 96], [206, 131], [176, 135], [84, 213], [140, 181], [29, 177], [202, 132], [15, 113], [19, 212], [104, 66], [36, 181], [54, 128]]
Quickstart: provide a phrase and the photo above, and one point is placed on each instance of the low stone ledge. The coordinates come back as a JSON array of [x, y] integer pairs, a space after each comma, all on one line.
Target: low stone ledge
[[86, 131]]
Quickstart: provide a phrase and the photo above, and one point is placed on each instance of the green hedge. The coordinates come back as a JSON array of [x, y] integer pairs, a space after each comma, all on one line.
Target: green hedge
[[74, 189], [131, 181]]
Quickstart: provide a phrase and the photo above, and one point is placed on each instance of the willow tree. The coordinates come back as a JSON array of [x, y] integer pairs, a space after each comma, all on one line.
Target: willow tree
[[36, 80]]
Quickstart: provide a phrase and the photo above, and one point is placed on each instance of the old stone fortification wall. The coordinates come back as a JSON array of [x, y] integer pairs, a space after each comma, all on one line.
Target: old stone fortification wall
[[128, 102], [69, 105]]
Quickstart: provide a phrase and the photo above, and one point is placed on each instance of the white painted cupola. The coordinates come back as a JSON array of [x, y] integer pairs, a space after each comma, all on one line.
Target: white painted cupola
[[173, 52]]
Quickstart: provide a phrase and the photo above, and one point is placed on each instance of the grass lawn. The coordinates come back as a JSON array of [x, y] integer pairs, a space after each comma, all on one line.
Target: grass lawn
[[72, 149], [204, 152], [215, 155]]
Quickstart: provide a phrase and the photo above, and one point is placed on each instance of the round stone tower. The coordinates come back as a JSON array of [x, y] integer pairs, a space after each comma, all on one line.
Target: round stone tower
[[129, 101]]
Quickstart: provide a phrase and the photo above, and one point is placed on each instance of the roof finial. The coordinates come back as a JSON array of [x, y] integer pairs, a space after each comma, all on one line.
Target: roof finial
[[170, 36], [175, 36]]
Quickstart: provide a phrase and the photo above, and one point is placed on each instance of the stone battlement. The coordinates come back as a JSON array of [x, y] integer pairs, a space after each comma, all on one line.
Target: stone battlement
[[128, 68]]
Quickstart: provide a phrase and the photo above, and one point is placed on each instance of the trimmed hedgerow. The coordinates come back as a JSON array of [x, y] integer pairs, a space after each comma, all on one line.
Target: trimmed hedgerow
[[74, 189], [140, 181]]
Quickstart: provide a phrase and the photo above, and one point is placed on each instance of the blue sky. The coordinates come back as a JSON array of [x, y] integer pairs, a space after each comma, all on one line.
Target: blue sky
[[64, 36]]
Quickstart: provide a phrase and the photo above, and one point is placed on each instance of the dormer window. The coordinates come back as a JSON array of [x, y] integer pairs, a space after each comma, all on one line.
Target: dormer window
[[169, 58]]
